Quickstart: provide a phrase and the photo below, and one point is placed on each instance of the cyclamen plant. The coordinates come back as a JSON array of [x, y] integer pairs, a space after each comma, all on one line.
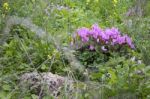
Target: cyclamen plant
[[96, 45], [103, 37], [109, 59]]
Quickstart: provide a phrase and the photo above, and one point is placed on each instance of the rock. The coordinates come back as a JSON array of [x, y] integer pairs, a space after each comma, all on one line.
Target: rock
[[41, 82]]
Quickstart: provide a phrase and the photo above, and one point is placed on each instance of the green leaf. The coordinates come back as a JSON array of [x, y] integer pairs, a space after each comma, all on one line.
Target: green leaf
[[34, 96], [43, 67], [96, 75], [6, 87], [3, 94], [113, 78]]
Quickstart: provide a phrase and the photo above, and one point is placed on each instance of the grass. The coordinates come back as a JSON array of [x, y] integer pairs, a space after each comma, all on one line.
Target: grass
[[35, 33]]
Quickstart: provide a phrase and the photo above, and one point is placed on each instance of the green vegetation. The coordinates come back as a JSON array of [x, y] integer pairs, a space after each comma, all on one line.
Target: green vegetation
[[38, 43]]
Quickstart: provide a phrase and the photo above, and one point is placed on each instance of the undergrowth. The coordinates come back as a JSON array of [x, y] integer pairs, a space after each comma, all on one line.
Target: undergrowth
[[109, 72]]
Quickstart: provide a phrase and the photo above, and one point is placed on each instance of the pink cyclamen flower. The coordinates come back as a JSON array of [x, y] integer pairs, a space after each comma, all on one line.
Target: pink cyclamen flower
[[129, 41], [120, 40], [91, 47], [112, 33], [84, 33], [96, 31], [108, 36]]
